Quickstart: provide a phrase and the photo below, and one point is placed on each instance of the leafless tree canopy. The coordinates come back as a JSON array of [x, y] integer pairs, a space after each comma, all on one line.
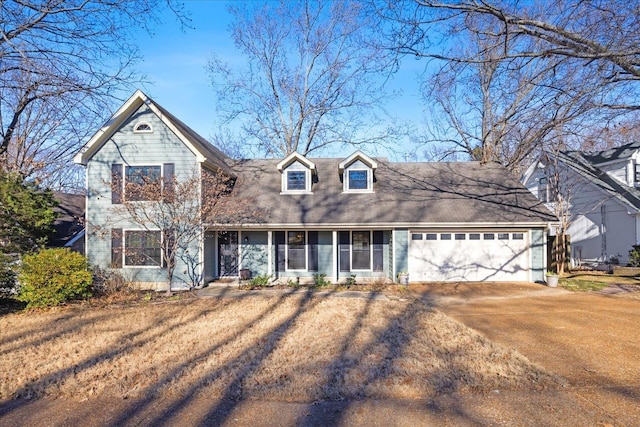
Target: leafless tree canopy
[[312, 79], [62, 65], [508, 77]]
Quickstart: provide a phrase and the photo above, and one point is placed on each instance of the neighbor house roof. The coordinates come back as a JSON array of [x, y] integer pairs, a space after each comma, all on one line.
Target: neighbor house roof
[[205, 152], [586, 165], [411, 194], [70, 220]]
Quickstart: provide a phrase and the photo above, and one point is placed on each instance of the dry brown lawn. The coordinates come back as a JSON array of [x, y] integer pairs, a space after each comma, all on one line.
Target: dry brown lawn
[[273, 346]]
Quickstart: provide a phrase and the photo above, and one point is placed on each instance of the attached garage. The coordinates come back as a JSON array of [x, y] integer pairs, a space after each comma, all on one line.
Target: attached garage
[[463, 255]]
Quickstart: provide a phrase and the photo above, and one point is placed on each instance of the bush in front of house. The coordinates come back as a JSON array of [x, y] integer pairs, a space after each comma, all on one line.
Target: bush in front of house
[[53, 276], [634, 256]]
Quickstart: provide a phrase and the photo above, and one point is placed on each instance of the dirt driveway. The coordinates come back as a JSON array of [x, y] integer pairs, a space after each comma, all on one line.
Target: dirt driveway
[[591, 339]]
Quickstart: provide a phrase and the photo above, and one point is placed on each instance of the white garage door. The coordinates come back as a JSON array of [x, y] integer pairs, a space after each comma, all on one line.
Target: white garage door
[[468, 256]]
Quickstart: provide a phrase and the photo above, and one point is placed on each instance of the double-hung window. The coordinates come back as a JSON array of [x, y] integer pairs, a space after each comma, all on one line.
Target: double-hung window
[[296, 180], [141, 182], [142, 248], [296, 250], [361, 250], [358, 180]]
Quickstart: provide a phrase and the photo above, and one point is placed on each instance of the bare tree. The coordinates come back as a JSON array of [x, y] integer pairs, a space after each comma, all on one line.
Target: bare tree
[[62, 65], [516, 74], [313, 77], [178, 212]]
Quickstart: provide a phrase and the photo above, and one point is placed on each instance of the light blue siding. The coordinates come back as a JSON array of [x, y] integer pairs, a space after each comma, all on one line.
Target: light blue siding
[[254, 253], [129, 148], [537, 255], [401, 250], [325, 253]]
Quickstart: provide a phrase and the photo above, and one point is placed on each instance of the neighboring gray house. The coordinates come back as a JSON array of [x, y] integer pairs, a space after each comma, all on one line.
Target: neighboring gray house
[[69, 224], [603, 192], [339, 217]]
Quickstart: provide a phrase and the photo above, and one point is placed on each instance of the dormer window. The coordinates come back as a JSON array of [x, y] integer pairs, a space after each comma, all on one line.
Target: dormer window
[[636, 175], [357, 173], [296, 180], [142, 127], [297, 172], [358, 179]]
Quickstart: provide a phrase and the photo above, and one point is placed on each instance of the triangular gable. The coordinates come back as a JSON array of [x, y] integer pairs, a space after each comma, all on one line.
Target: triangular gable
[[202, 149], [358, 155], [295, 156]]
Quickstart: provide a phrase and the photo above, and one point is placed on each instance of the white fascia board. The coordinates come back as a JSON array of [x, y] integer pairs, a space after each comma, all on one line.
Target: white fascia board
[[109, 128], [292, 158], [358, 155]]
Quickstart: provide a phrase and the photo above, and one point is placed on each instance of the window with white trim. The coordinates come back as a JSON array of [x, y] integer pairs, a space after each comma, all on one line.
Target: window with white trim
[[361, 250], [296, 250], [357, 178], [141, 182], [296, 179], [142, 248]]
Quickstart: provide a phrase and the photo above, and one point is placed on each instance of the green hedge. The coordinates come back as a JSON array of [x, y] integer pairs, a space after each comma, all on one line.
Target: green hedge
[[53, 276]]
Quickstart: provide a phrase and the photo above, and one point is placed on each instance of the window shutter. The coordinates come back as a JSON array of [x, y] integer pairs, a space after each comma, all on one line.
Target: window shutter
[[116, 183], [313, 250], [280, 250], [167, 187], [116, 248], [345, 262], [378, 250]]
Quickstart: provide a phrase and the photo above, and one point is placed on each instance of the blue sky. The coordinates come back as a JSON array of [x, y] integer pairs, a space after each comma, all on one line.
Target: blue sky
[[175, 61]]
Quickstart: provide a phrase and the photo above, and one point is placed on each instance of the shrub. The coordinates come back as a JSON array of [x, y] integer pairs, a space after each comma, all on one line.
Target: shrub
[[320, 280], [351, 280], [53, 276], [109, 283], [260, 280], [634, 256]]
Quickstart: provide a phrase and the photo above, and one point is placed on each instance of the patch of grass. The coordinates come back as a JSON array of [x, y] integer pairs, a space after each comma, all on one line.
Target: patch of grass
[[582, 285], [298, 347]]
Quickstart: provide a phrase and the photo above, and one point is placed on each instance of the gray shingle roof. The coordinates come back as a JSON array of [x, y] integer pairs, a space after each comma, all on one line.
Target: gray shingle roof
[[617, 153], [583, 164], [404, 193]]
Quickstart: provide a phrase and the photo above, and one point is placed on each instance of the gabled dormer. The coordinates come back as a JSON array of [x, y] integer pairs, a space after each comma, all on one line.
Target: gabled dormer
[[297, 174], [357, 173]]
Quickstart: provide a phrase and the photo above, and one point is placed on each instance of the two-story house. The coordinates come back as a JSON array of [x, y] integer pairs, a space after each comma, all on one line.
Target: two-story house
[[601, 190], [358, 215]]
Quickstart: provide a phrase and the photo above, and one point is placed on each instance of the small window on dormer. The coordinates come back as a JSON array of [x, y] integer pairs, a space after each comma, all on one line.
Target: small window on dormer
[[637, 174], [142, 127], [358, 179], [296, 180]]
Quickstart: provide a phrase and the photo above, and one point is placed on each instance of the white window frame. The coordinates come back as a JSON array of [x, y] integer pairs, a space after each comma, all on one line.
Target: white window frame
[[124, 248], [141, 123], [370, 250], [357, 167], [296, 167], [134, 165], [286, 252]]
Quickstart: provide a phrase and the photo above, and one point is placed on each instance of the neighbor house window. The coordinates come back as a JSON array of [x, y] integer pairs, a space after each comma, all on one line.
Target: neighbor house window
[[542, 190], [358, 180], [361, 250], [637, 174], [296, 251], [296, 180], [142, 248]]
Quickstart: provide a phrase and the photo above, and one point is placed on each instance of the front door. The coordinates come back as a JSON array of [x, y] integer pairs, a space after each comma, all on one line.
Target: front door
[[228, 253]]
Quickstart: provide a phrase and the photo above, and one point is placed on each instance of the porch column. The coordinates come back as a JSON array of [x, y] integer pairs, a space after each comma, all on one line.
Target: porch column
[[335, 256], [240, 249], [269, 252]]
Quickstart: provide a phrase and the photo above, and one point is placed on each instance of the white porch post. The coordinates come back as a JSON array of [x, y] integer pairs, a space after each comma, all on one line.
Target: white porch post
[[269, 252], [335, 256], [240, 249]]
